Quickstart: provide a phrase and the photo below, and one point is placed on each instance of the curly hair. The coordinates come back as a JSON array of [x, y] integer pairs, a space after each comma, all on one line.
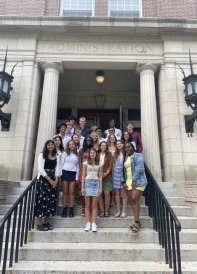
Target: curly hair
[[68, 149]]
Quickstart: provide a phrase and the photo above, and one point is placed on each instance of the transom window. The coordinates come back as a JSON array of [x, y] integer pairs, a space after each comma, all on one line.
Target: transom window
[[124, 8], [77, 8]]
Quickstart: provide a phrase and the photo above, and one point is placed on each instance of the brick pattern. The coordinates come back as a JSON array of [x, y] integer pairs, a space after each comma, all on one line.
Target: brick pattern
[[170, 8], [101, 8], [52, 7]]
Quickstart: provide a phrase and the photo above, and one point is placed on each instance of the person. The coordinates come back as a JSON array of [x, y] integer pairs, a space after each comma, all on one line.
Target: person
[[99, 131], [111, 131], [118, 178], [69, 127], [106, 161], [135, 136], [72, 119], [126, 137], [91, 187], [95, 138], [78, 131], [69, 169], [117, 131], [75, 138], [62, 134], [85, 131], [83, 156], [47, 180], [134, 182], [93, 128], [58, 145]]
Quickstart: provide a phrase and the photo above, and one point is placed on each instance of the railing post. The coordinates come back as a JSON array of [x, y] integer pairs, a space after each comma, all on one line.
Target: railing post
[[6, 245], [13, 237], [1, 240]]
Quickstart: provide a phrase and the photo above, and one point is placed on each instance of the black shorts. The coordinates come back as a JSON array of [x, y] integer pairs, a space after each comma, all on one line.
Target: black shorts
[[68, 175]]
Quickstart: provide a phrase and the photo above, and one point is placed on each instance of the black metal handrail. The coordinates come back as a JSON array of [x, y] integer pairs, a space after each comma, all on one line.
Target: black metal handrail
[[22, 212], [165, 222]]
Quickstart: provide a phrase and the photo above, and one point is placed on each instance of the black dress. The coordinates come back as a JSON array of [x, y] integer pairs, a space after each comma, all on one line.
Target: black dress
[[46, 196]]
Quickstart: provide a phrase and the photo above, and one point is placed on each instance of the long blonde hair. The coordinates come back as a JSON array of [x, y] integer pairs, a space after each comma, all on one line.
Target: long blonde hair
[[97, 143]]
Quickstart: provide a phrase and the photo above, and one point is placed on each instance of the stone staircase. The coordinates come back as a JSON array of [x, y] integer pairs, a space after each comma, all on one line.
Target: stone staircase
[[69, 249]]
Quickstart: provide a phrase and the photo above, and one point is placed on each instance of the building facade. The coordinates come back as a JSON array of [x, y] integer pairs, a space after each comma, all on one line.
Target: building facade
[[59, 46]]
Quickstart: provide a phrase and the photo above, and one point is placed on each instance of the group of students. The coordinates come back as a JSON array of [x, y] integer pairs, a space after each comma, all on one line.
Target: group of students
[[97, 164]]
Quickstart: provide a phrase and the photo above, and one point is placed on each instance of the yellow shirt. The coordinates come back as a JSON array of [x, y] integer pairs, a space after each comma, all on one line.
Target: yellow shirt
[[127, 165]]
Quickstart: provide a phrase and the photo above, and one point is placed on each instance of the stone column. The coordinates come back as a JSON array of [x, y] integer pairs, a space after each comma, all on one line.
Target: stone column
[[149, 126], [48, 113]]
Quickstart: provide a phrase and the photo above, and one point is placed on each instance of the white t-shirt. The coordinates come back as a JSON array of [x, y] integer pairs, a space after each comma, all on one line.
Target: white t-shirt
[[92, 171]]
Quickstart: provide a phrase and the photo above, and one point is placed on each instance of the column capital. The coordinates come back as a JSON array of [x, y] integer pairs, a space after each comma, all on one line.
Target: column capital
[[51, 65], [144, 67]]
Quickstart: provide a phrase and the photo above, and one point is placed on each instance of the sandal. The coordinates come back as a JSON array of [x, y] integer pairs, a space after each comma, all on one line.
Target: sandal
[[106, 214], [134, 230], [82, 212], [123, 215], [42, 227], [131, 226], [117, 215], [48, 226], [102, 215]]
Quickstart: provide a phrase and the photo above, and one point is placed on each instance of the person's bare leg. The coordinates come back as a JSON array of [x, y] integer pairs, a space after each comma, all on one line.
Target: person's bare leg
[[65, 193], [76, 192], [72, 193], [124, 200], [94, 208], [107, 200], [118, 199], [87, 208], [101, 205], [135, 196]]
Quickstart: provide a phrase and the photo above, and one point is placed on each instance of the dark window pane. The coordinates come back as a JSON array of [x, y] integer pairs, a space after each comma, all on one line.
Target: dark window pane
[[63, 113], [134, 114]]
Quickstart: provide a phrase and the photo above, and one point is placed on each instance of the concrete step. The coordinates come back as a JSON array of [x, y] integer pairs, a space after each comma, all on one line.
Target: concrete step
[[96, 267], [182, 210], [17, 190], [104, 235], [24, 184], [91, 252], [166, 185], [171, 192], [188, 236], [176, 201], [188, 252]]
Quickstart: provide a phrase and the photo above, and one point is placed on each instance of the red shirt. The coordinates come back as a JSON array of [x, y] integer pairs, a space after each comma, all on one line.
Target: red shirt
[[138, 141]]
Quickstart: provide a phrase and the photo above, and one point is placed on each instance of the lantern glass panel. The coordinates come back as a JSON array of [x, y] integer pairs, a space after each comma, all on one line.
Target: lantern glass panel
[[189, 89], [195, 85], [5, 87]]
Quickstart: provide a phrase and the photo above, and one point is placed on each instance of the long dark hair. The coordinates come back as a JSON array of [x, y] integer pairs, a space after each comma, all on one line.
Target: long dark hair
[[130, 137], [107, 149], [117, 152], [96, 158], [61, 148], [45, 151], [68, 149], [85, 146], [77, 144]]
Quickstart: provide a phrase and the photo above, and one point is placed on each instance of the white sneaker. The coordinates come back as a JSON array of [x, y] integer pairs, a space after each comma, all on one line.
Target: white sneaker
[[88, 226], [94, 227]]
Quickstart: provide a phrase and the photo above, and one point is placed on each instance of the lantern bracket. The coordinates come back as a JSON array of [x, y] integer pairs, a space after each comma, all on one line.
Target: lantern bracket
[[5, 120], [189, 122]]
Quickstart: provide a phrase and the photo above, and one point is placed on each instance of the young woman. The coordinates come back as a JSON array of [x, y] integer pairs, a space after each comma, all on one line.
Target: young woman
[[47, 180], [106, 161], [111, 142], [91, 187], [58, 145], [118, 178], [126, 137], [75, 138], [83, 156], [135, 182], [69, 169], [96, 141]]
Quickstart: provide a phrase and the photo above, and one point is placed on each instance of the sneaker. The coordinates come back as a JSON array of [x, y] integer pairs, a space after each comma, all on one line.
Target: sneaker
[[94, 227], [88, 226]]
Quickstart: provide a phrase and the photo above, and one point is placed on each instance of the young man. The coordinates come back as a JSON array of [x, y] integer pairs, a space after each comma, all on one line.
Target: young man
[[136, 136], [72, 119], [112, 132], [78, 131], [69, 129], [85, 131], [99, 131], [65, 139], [93, 127], [117, 131]]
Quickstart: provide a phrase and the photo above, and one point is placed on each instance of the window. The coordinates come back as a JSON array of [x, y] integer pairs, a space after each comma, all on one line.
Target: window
[[77, 8], [134, 114], [63, 113], [125, 8]]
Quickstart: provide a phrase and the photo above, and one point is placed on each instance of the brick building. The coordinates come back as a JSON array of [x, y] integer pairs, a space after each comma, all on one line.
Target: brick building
[[60, 45]]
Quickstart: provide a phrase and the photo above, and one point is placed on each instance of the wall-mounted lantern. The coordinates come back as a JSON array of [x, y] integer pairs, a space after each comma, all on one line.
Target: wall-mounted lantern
[[5, 88], [190, 83]]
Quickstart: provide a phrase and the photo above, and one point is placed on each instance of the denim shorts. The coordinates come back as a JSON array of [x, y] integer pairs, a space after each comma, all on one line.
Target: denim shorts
[[91, 187]]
